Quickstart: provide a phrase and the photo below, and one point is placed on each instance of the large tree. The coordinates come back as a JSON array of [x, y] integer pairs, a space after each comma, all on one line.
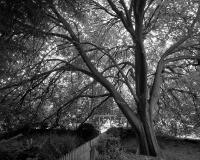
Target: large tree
[[59, 51]]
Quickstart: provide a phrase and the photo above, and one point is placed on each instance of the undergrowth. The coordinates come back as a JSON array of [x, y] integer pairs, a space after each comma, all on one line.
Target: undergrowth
[[109, 148], [43, 147]]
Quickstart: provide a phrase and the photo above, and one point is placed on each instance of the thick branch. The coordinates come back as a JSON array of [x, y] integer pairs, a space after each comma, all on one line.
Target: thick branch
[[64, 22], [182, 58], [170, 50], [127, 111], [155, 90], [125, 20]]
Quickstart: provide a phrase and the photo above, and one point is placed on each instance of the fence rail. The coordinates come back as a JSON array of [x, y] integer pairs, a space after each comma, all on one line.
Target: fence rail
[[84, 152]]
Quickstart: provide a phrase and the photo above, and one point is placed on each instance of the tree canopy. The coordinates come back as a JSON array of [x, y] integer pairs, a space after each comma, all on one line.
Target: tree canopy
[[69, 59]]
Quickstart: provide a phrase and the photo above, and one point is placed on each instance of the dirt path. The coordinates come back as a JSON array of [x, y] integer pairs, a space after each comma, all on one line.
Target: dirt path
[[174, 149]]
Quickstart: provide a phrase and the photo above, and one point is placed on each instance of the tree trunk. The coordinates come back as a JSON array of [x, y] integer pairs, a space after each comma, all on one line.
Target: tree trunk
[[154, 149], [143, 126], [147, 141]]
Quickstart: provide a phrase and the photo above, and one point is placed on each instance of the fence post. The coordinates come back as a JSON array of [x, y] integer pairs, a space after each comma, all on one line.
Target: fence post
[[93, 153]]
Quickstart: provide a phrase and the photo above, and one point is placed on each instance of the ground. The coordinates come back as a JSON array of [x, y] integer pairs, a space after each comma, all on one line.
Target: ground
[[174, 149]]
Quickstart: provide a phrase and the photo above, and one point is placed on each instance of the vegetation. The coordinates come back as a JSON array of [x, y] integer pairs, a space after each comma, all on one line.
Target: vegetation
[[109, 148], [63, 61], [44, 144], [113, 146], [121, 132], [40, 147], [87, 131]]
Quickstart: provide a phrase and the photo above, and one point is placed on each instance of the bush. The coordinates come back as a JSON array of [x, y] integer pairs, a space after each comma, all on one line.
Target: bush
[[41, 146], [56, 146], [66, 143], [48, 151], [114, 131], [87, 131], [127, 132], [121, 132], [28, 153], [5, 155], [109, 148], [9, 150]]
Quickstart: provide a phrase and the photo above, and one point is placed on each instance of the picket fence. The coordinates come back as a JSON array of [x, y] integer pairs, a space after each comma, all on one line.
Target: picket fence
[[85, 151]]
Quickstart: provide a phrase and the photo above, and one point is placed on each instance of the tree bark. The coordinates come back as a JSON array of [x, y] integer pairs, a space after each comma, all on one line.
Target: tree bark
[[144, 128], [154, 149]]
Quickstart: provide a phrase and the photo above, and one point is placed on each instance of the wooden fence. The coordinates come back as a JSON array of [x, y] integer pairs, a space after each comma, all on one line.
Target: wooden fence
[[85, 151]]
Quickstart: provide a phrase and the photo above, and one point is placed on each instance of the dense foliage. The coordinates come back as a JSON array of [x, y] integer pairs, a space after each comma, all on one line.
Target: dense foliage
[[63, 61], [87, 131], [44, 144], [109, 148]]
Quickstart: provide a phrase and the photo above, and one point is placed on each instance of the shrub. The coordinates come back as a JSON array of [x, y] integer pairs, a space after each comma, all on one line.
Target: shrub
[[28, 153], [48, 151], [121, 132], [114, 131], [109, 148], [5, 155], [9, 150], [41, 146], [87, 131], [127, 132], [56, 146], [66, 143]]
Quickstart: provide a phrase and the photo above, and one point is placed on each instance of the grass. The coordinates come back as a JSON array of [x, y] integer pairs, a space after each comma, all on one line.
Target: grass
[[173, 148]]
